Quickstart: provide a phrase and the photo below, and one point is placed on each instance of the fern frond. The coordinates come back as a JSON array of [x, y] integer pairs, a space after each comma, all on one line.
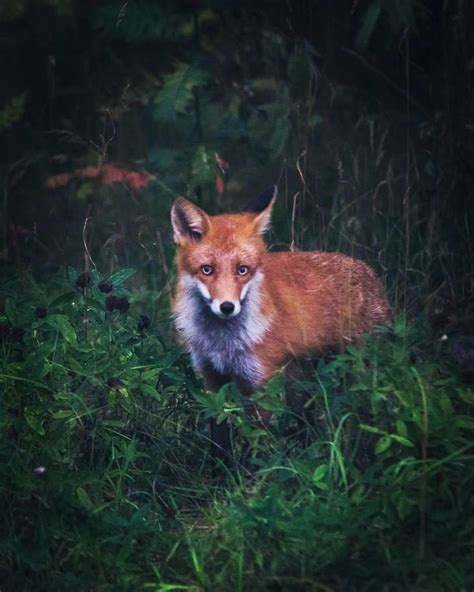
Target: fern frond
[[177, 92]]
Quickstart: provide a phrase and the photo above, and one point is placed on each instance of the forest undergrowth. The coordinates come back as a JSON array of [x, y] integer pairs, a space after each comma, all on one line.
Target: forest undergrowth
[[107, 481]]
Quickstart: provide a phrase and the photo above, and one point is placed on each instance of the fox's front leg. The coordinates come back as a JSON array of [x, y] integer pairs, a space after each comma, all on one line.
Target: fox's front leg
[[220, 433]]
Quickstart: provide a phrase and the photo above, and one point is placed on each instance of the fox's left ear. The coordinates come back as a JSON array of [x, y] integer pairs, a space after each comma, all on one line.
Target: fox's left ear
[[263, 206], [188, 220]]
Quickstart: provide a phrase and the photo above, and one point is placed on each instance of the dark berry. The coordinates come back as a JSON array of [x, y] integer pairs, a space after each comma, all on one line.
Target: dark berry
[[13, 333], [124, 304], [114, 382], [110, 303], [144, 323], [84, 280], [41, 312], [117, 303], [17, 333], [105, 287]]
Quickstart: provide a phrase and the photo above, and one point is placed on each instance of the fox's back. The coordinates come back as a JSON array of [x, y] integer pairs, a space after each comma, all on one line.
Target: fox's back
[[319, 300]]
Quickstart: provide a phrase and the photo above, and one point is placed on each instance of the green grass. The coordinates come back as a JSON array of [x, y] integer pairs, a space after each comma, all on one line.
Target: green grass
[[106, 481]]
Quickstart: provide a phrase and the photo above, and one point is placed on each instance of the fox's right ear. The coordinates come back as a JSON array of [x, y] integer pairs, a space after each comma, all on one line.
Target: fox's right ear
[[263, 206], [188, 221], [261, 203]]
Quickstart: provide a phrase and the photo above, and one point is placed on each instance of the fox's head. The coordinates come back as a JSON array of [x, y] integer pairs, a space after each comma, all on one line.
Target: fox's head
[[220, 256]]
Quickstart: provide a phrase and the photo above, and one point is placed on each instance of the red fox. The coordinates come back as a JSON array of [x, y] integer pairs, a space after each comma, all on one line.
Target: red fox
[[245, 313]]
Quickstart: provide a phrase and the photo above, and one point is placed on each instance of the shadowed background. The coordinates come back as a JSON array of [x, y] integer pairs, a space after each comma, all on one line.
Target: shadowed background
[[360, 111]]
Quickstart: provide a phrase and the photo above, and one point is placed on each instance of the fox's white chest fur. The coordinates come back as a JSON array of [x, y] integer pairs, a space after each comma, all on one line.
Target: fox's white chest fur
[[225, 345]]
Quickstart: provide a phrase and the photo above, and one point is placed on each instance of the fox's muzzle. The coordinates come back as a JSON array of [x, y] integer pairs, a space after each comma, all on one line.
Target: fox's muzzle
[[226, 309]]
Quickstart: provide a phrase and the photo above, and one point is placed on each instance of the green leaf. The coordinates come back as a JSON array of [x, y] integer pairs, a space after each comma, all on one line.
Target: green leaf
[[320, 473], [61, 323], [358, 494], [84, 498], [383, 444], [118, 278], [204, 167], [466, 395], [400, 325], [372, 429], [63, 299], [264, 84], [151, 376], [401, 428], [465, 422], [214, 404], [403, 441], [34, 423], [72, 275], [444, 402], [369, 22], [12, 112], [11, 312], [150, 391], [63, 414]]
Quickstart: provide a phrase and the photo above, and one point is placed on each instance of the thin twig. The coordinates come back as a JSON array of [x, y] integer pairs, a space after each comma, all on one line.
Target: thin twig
[[87, 256], [293, 216]]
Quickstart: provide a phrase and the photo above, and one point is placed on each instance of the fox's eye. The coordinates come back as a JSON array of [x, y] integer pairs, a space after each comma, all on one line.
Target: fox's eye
[[207, 269], [242, 270]]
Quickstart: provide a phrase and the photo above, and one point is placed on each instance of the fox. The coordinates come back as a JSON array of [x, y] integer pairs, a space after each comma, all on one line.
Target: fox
[[245, 313]]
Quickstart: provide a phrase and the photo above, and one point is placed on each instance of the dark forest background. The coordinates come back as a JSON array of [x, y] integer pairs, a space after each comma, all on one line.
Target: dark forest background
[[362, 112]]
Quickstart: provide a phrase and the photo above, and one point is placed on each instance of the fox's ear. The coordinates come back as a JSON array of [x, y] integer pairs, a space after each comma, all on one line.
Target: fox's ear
[[263, 206], [188, 220]]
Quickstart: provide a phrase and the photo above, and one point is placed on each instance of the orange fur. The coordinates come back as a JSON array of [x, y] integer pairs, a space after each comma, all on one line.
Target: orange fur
[[318, 301]]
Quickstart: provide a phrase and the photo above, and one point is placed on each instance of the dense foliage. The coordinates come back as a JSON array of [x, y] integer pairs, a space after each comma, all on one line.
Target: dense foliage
[[362, 113], [107, 482]]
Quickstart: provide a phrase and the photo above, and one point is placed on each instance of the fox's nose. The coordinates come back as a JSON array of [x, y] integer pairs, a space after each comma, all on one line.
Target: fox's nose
[[227, 308]]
